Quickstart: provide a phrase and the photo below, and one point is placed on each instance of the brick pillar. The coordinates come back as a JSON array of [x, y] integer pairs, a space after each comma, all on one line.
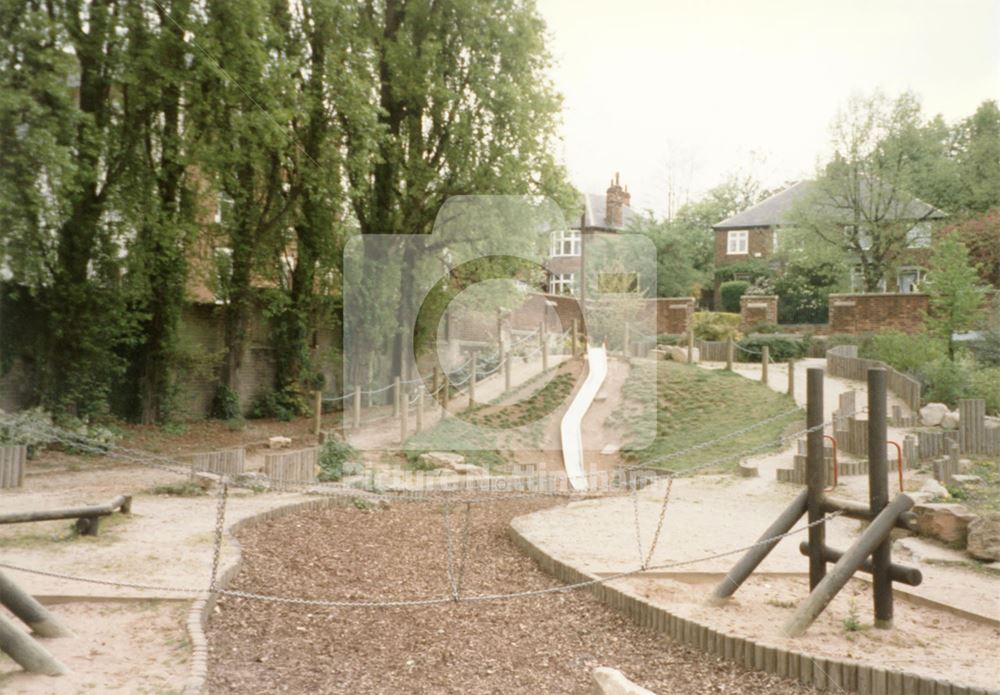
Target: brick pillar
[[756, 309]]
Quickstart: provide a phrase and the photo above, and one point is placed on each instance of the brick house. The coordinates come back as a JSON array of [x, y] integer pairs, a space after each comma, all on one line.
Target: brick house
[[755, 233], [611, 212]]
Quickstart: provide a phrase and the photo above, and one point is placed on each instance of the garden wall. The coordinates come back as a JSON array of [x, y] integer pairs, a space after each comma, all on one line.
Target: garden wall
[[849, 313]]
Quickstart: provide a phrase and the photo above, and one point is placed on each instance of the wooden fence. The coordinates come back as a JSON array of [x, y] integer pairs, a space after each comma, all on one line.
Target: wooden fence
[[12, 462], [229, 462], [292, 466], [843, 361]]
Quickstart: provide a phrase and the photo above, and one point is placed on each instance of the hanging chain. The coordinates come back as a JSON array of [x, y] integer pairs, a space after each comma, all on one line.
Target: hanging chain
[[220, 526]]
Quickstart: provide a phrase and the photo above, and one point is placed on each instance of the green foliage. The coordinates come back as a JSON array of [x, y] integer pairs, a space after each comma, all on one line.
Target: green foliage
[[185, 489], [852, 622], [985, 384], [752, 270], [715, 325], [27, 427], [332, 457], [956, 293], [803, 290], [987, 347], [945, 380], [730, 293], [903, 351], [781, 348], [225, 404], [281, 405]]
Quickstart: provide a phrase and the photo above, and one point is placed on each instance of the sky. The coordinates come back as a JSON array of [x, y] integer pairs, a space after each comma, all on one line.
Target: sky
[[676, 95]]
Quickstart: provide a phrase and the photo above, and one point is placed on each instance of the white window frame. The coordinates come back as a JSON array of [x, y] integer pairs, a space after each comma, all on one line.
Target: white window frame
[[565, 243], [562, 283], [738, 242], [907, 270]]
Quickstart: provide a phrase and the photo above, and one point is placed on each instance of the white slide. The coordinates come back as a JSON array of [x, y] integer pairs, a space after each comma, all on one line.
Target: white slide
[[570, 429]]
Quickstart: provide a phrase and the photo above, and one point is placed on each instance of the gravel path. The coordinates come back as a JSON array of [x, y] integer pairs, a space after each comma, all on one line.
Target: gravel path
[[545, 644]]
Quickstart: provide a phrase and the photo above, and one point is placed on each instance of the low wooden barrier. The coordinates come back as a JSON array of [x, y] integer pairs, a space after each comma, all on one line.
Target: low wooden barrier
[[229, 462], [843, 361], [12, 463], [292, 466], [87, 518]]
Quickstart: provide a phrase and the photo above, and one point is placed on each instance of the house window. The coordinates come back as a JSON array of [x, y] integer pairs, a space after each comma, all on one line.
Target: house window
[[909, 279], [223, 208], [737, 242], [565, 242], [562, 283]]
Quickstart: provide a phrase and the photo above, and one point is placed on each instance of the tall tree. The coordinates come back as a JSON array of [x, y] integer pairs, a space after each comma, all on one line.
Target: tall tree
[[957, 296]]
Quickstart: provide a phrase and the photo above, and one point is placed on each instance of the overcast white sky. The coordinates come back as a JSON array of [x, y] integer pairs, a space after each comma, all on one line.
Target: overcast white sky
[[693, 90]]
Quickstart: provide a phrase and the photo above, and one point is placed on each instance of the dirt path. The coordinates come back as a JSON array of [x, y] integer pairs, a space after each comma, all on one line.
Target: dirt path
[[546, 644]]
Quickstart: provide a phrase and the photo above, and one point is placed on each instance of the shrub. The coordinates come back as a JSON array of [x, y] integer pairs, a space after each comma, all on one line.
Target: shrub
[[781, 348], [225, 404], [715, 325], [987, 347], [730, 293], [907, 353], [985, 384], [280, 405], [332, 457], [669, 339], [28, 427], [945, 381], [766, 328]]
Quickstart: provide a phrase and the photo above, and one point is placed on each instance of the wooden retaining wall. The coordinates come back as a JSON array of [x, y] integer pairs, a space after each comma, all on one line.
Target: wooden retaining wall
[[292, 466], [12, 463], [229, 462], [843, 361]]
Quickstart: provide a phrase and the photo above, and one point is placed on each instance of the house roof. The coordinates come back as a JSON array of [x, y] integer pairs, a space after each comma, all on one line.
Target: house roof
[[775, 210], [595, 208]]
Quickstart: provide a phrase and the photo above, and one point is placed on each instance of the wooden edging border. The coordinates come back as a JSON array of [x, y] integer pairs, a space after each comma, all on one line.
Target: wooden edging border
[[818, 672]]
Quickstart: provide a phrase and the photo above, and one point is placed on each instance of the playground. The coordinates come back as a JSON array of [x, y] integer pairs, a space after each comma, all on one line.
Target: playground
[[523, 575]]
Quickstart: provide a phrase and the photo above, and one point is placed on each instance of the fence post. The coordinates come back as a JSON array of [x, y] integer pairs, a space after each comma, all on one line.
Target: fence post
[[765, 360], [357, 406], [625, 341], [878, 494], [729, 353], [27, 652], [436, 381], [791, 378], [472, 379], [404, 412], [690, 338], [501, 363], [420, 409], [395, 397], [815, 475], [507, 369], [576, 338], [318, 401]]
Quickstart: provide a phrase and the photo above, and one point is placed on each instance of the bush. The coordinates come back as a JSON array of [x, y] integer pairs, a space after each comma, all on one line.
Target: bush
[[279, 405], [715, 325], [945, 381], [781, 348], [907, 353], [985, 384], [669, 339], [332, 457], [225, 404], [730, 293]]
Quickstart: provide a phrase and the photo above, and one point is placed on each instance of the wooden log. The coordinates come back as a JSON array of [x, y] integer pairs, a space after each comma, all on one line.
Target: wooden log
[[68, 512], [13, 459], [791, 378], [765, 360], [396, 393], [855, 510], [753, 557], [878, 493], [357, 406], [28, 653], [576, 338], [507, 371], [690, 346], [30, 611], [911, 576], [815, 475], [420, 410], [318, 408], [873, 536], [472, 379], [729, 354]]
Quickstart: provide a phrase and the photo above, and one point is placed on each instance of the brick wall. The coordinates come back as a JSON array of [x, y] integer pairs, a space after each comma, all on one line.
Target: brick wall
[[673, 314], [862, 313], [760, 244], [757, 309]]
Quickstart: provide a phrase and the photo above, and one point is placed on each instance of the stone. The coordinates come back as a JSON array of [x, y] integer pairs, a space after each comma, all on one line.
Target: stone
[[950, 420], [253, 479], [679, 353], [934, 489], [946, 522], [352, 468], [441, 459], [279, 442], [932, 414], [610, 449], [965, 478], [468, 469], [611, 681], [984, 537], [991, 422]]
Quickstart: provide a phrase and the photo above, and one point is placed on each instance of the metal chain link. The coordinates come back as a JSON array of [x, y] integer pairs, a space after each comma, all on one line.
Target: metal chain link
[[220, 526]]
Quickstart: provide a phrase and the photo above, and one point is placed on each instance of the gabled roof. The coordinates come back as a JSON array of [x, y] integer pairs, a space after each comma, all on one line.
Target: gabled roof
[[595, 207], [775, 210]]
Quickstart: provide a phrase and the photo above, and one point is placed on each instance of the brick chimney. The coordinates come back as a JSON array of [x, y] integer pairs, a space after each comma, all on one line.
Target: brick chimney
[[618, 198]]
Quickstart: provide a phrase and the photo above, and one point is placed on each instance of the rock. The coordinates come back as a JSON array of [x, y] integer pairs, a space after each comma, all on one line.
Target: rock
[[946, 522], [610, 449], [206, 480], [991, 422], [932, 414], [966, 479], [611, 681], [934, 489], [352, 468], [279, 442], [253, 479], [468, 469], [678, 353], [984, 537], [441, 459], [950, 420]]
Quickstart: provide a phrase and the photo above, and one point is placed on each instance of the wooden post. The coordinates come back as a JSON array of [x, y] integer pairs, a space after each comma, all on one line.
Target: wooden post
[[730, 348], [626, 338], [873, 536], [501, 362], [436, 381], [472, 379], [545, 354], [357, 406], [878, 494], [420, 409], [395, 397], [23, 649], [507, 369], [404, 414], [765, 360], [753, 557], [815, 475], [318, 405], [791, 378], [31, 612], [576, 338], [690, 338]]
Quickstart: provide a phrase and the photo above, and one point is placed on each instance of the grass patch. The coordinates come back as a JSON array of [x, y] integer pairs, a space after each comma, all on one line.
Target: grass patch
[[695, 405], [984, 496], [185, 489]]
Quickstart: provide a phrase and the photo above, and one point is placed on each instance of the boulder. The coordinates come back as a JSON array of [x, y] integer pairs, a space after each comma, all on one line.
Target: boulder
[[253, 479], [984, 537], [946, 522], [279, 442], [441, 459], [932, 414], [991, 422], [611, 681], [950, 420], [468, 469], [679, 353], [934, 489]]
